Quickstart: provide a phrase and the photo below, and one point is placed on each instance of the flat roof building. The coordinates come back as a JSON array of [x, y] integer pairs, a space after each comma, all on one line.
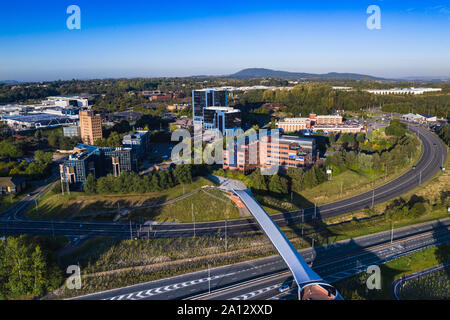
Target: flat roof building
[[90, 127], [403, 91], [204, 98], [263, 152], [37, 120], [139, 141], [87, 159], [71, 131], [226, 120]]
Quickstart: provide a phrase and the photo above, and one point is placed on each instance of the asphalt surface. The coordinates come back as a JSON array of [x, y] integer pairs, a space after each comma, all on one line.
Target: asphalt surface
[[14, 222], [260, 279]]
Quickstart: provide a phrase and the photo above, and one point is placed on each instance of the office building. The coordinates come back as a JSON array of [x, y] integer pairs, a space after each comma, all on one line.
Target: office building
[[84, 161], [297, 124], [244, 157], [294, 124], [90, 127], [223, 119], [118, 160], [139, 141], [289, 152], [71, 131], [264, 152], [327, 119], [88, 159], [205, 98]]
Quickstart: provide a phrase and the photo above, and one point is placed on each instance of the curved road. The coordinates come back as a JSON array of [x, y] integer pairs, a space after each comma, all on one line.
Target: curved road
[[434, 151]]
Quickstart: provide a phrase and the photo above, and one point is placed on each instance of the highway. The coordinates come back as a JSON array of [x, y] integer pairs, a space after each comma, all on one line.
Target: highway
[[260, 279], [13, 221]]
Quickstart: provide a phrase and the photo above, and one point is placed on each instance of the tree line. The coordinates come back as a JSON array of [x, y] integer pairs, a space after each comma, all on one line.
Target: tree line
[[131, 182]]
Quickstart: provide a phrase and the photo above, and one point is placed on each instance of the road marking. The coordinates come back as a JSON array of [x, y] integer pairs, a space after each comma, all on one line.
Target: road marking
[[253, 294]]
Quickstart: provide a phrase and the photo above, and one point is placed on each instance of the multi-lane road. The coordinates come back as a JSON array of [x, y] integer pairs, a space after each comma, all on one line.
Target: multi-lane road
[[434, 153], [261, 279]]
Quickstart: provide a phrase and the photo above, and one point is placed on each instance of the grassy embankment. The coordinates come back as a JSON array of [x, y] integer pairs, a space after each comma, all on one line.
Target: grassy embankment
[[355, 288], [431, 190], [56, 205]]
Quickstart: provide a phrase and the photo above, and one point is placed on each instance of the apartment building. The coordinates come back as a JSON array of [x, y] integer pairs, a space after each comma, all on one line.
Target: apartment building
[[90, 127]]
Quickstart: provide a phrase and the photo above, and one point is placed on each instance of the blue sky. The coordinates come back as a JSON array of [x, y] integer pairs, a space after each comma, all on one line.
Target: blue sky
[[181, 38]]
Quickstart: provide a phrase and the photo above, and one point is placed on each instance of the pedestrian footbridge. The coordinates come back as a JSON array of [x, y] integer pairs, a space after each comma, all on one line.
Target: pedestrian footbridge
[[310, 285]]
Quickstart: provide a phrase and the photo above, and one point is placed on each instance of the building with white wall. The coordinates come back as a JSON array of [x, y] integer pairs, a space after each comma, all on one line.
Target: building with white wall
[[403, 91]]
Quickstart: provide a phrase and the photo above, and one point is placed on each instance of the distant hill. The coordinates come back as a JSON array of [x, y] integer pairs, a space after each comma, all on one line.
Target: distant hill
[[9, 82], [253, 73]]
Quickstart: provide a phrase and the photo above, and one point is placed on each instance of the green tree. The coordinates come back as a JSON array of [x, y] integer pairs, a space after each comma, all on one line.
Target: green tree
[[18, 263], [44, 157], [90, 186], [38, 266], [396, 128], [9, 150], [258, 180], [275, 185]]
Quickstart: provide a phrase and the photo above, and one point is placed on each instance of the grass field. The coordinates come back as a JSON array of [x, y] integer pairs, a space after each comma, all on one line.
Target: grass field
[[355, 288], [63, 206], [207, 205]]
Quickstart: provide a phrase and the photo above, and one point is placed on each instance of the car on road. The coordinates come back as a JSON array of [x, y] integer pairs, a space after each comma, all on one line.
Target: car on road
[[284, 288], [29, 195], [414, 167]]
